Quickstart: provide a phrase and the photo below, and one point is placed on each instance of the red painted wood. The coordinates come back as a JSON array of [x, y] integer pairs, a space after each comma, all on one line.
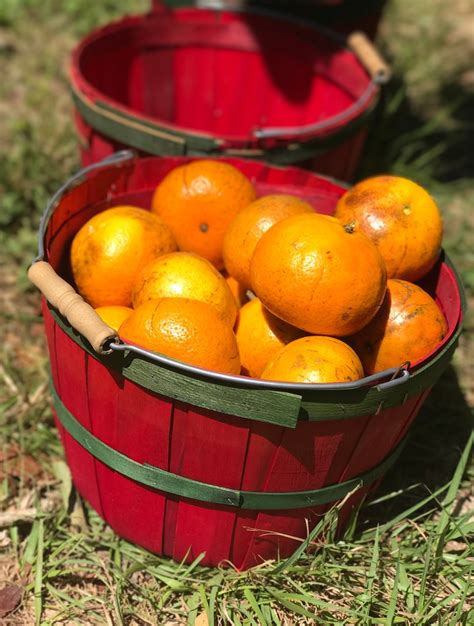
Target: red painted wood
[[441, 284], [208, 447], [205, 445], [97, 147], [50, 331], [263, 444], [72, 389], [137, 424], [188, 71], [382, 435], [49, 327], [311, 456]]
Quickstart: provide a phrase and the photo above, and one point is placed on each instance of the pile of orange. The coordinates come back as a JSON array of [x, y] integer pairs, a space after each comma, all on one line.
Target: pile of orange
[[267, 287]]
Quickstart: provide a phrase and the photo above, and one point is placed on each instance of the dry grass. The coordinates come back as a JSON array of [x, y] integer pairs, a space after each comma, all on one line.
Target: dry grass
[[417, 568]]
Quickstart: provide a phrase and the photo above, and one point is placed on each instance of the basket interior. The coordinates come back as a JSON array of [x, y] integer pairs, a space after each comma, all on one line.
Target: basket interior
[[219, 72], [135, 186]]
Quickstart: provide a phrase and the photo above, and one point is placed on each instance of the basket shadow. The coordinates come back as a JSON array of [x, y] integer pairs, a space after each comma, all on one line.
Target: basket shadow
[[438, 437], [457, 161], [439, 433], [295, 88], [403, 142]]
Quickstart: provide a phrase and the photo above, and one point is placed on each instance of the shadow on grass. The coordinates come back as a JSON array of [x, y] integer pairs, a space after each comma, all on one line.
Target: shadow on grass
[[437, 439], [431, 152], [459, 154], [434, 150]]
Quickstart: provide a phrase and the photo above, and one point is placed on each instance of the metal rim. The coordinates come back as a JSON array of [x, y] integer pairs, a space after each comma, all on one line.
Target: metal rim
[[396, 376], [372, 91], [182, 486]]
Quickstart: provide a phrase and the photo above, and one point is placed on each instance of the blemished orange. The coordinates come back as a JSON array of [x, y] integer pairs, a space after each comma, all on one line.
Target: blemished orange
[[318, 275], [185, 275], [315, 359], [248, 227], [239, 291], [198, 201], [260, 335], [109, 251], [401, 218], [187, 330], [114, 316], [408, 327]]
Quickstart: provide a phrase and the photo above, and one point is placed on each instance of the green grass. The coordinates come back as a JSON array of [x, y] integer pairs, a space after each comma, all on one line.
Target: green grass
[[408, 557]]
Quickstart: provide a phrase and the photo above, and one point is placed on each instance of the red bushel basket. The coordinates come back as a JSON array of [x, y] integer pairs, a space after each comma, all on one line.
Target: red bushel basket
[[183, 460], [219, 83]]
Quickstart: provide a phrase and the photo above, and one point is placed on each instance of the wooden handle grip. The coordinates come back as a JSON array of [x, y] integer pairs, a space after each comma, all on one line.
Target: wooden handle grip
[[79, 314], [369, 56]]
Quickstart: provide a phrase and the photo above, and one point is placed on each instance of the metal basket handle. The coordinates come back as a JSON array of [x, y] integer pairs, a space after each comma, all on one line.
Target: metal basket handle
[[104, 340], [357, 41], [377, 68]]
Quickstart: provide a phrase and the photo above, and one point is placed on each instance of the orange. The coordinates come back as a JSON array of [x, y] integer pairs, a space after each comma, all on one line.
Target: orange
[[111, 248], [315, 360], [408, 327], [317, 275], [260, 335], [238, 291], [248, 227], [114, 316], [401, 218], [198, 201], [187, 330], [185, 275]]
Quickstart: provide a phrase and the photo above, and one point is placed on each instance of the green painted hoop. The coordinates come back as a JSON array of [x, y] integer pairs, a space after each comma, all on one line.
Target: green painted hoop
[[282, 404], [144, 134], [185, 487], [151, 138], [270, 405]]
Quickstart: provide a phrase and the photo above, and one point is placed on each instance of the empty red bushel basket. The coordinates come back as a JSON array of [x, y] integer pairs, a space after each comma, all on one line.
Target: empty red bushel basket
[[220, 83], [182, 460]]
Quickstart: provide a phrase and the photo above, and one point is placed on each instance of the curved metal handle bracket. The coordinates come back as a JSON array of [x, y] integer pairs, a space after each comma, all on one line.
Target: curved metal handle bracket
[[400, 376]]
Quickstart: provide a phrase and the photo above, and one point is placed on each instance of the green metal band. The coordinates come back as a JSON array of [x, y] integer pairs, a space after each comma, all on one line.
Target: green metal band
[[153, 139], [196, 490], [134, 133], [275, 407]]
